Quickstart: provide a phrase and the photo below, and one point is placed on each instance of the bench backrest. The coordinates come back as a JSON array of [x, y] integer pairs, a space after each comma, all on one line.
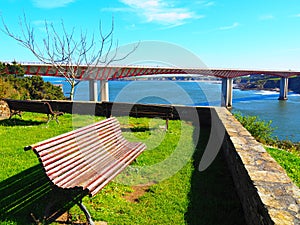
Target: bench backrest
[[88, 157], [29, 106]]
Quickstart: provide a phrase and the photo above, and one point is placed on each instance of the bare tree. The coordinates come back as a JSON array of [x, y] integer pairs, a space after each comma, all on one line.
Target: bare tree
[[67, 52]]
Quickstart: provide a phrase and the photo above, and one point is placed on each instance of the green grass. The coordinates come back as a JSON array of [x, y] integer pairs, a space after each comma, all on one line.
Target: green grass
[[176, 192], [289, 161]]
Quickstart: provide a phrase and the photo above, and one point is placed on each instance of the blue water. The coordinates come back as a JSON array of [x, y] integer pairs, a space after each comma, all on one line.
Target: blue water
[[264, 104]]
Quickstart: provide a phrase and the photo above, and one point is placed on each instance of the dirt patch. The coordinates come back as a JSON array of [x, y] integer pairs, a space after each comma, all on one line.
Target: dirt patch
[[66, 220], [134, 196], [138, 191]]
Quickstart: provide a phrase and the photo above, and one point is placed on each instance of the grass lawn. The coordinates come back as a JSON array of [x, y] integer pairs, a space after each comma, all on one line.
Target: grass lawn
[[173, 190]]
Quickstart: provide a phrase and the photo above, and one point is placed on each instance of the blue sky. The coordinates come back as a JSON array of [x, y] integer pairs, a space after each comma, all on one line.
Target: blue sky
[[252, 34]]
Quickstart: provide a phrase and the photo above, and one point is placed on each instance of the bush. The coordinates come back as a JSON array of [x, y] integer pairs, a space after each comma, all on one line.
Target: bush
[[262, 132], [18, 86], [259, 129], [7, 90], [288, 145], [34, 87]]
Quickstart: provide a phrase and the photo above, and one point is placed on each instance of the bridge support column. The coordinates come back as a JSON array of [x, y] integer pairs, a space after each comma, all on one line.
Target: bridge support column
[[226, 97], [284, 88], [93, 88], [104, 91]]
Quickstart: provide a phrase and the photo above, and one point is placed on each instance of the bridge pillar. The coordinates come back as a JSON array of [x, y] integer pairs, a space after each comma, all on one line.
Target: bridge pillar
[[93, 88], [226, 97], [284, 88], [104, 91]]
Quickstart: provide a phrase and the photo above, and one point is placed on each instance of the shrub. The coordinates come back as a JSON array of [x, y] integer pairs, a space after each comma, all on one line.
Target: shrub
[[262, 132], [18, 86], [34, 87], [7, 90], [260, 129]]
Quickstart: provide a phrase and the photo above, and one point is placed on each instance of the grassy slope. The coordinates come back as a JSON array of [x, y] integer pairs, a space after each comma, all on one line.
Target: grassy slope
[[186, 196]]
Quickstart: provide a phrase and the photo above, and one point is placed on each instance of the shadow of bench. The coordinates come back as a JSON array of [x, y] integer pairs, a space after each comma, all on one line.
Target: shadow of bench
[[30, 191]]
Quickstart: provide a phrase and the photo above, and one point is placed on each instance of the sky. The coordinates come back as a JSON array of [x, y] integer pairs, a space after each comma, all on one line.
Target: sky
[[241, 34]]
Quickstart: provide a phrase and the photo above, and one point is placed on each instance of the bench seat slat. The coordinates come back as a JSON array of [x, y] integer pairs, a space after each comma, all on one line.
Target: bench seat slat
[[72, 134], [108, 160], [98, 184], [102, 174], [77, 169], [61, 150], [41, 146], [88, 157], [89, 151]]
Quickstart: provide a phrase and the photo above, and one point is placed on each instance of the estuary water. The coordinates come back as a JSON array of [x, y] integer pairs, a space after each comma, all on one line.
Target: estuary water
[[264, 104]]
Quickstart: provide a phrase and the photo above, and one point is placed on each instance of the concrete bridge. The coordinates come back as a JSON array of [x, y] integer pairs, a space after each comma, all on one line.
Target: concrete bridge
[[112, 72]]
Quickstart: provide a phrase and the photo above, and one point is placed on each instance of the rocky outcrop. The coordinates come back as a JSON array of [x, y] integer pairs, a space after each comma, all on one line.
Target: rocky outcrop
[[4, 110], [294, 84]]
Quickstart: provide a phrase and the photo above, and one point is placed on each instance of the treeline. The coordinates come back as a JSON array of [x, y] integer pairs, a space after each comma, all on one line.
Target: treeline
[[15, 85]]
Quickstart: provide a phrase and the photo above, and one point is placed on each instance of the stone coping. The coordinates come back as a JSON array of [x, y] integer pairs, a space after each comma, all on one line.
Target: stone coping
[[279, 196]]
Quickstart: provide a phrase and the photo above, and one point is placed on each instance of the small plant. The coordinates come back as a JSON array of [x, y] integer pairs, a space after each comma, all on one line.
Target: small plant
[[260, 130]]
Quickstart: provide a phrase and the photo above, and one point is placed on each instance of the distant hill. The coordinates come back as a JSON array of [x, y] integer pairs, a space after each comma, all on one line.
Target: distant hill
[[260, 82], [294, 84]]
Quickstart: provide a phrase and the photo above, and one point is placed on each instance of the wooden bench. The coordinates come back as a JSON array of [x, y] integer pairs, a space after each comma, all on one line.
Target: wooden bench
[[16, 107], [89, 157]]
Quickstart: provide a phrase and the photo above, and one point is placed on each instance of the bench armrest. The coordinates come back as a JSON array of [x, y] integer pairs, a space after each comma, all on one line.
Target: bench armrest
[[27, 148]]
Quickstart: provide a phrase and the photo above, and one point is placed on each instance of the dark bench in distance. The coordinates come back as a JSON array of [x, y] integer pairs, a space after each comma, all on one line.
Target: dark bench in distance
[[88, 158], [165, 112], [16, 107]]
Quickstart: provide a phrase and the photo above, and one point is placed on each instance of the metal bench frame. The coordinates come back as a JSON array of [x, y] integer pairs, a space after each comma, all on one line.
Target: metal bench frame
[[16, 107], [88, 157]]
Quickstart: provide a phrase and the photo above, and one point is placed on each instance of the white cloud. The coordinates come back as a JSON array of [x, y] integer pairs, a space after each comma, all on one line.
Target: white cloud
[[234, 25], [267, 17], [49, 4], [297, 15], [206, 3], [143, 4], [120, 9], [159, 11]]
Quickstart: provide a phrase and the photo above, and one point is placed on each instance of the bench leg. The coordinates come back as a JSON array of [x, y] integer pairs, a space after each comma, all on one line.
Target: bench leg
[[49, 118], [86, 212], [167, 123], [15, 112], [52, 117], [56, 119]]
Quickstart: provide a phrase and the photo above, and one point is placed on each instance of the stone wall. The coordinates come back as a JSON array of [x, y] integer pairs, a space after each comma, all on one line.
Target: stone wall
[[267, 194]]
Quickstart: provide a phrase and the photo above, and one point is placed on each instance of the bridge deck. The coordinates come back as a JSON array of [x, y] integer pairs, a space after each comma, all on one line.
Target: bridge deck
[[117, 72]]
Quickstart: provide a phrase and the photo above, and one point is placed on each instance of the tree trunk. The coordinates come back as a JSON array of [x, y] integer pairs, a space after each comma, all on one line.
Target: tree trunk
[[72, 91]]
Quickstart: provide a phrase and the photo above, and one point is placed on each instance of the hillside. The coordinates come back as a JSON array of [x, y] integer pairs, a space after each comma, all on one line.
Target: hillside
[[266, 83], [18, 86]]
